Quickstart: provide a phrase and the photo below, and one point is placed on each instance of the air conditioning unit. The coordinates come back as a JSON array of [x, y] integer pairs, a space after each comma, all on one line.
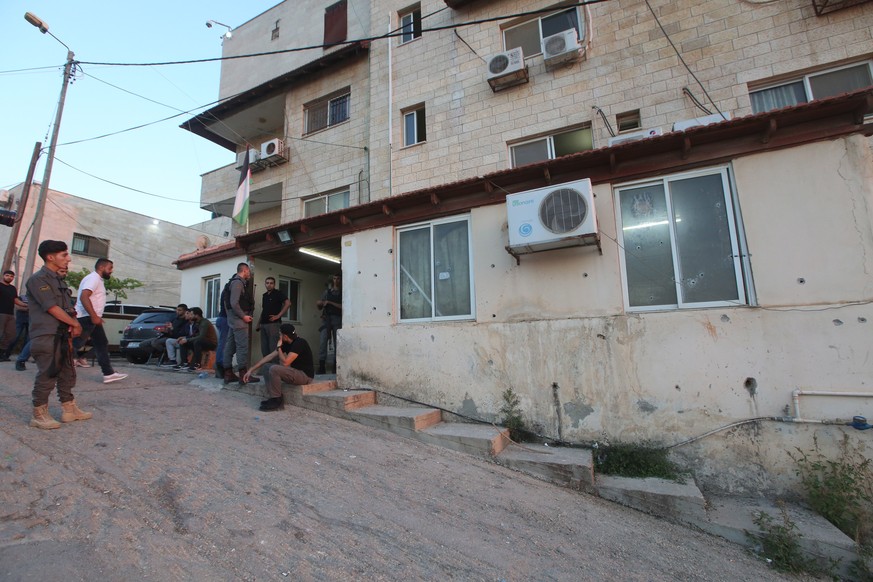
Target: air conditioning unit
[[551, 218], [634, 136], [561, 48], [273, 151], [506, 69], [254, 158], [705, 120]]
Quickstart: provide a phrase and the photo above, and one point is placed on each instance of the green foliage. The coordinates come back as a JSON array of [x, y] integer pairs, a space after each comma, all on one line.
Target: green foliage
[[635, 460], [114, 286], [512, 419], [841, 491], [779, 544]]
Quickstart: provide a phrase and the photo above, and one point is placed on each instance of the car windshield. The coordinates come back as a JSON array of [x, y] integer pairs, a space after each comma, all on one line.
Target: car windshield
[[155, 317]]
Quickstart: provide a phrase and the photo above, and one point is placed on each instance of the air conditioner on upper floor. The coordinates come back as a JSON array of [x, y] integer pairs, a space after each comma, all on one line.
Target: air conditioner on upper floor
[[705, 120], [506, 69], [254, 158], [273, 151], [561, 48], [553, 217], [634, 136]]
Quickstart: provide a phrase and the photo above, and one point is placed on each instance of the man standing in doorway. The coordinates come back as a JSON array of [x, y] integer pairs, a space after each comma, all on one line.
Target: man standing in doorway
[[331, 304], [89, 311], [273, 306], [239, 305], [52, 326], [8, 302]]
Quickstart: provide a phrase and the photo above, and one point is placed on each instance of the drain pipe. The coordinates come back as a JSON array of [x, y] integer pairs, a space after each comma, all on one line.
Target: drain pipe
[[796, 394]]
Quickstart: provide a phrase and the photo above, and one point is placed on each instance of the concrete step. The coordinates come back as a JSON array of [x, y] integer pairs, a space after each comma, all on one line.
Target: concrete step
[[678, 502], [401, 420], [338, 402], [314, 387], [567, 467], [475, 439]]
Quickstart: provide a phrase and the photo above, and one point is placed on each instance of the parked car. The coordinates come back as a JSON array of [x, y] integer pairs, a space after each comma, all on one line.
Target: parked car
[[117, 316], [150, 324]]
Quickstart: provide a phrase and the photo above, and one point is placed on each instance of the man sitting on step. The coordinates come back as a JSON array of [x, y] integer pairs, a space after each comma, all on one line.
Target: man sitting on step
[[295, 367]]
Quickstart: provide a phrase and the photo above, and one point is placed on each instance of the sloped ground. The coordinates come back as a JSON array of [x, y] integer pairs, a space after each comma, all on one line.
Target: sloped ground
[[170, 481]]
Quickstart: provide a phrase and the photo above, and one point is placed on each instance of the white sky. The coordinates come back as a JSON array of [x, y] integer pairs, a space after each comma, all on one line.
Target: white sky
[[160, 159]]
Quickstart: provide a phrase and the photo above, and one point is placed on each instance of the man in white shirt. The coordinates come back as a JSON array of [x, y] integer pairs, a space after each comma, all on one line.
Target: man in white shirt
[[89, 312]]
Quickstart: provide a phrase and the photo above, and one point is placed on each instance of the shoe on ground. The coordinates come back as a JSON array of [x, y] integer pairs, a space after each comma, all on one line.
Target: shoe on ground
[[20, 366], [193, 367], [82, 363], [178, 366], [272, 404], [71, 412], [42, 418], [114, 377], [168, 364]]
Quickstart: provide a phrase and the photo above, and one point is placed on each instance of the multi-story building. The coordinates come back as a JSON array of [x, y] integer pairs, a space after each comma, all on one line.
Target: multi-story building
[[652, 220]]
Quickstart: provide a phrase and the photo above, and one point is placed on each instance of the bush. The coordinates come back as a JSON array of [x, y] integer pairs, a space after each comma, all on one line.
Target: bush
[[635, 460]]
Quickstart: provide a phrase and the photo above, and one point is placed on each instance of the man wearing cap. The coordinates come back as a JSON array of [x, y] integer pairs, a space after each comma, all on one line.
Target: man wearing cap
[[53, 324], [295, 367]]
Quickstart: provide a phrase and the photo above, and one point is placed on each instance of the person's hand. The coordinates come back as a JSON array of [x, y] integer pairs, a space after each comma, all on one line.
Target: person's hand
[[279, 344], [247, 318], [258, 328], [274, 318], [75, 330], [96, 320], [183, 341], [247, 375]]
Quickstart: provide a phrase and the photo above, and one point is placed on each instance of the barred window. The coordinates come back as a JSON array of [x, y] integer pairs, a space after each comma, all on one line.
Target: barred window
[[328, 111]]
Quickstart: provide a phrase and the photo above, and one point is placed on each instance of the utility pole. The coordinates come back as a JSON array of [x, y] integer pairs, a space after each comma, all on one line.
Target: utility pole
[[43, 189], [12, 248]]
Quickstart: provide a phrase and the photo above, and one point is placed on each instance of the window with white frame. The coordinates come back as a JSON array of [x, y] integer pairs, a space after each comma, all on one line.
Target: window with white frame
[[328, 111], [434, 267], [90, 246], [326, 203], [681, 242], [414, 130], [529, 34], [410, 23], [551, 146], [290, 288], [816, 85], [211, 296]]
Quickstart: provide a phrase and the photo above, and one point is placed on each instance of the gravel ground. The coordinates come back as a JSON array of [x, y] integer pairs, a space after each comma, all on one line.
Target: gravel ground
[[170, 481]]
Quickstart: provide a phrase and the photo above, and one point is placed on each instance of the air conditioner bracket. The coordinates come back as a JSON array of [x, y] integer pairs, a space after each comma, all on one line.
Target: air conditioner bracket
[[579, 241]]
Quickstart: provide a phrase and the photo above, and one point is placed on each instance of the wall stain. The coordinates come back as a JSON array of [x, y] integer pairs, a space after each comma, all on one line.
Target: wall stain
[[646, 406], [577, 412]]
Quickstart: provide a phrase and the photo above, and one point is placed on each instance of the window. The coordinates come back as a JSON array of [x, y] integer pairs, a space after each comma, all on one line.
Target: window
[[813, 86], [89, 245], [529, 35], [328, 111], [680, 243], [326, 203], [335, 22], [275, 33], [291, 289], [413, 126], [212, 296], [435, 271], [551, 147], [628, 120], [410, 23]]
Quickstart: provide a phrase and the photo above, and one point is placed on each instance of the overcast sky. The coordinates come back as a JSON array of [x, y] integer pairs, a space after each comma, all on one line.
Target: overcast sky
[[162, 160]]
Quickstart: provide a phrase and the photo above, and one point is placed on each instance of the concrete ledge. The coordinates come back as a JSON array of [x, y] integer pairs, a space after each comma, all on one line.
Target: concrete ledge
[[339, 401], [678, 502], [567, 467], [389, 417], [475, 439]]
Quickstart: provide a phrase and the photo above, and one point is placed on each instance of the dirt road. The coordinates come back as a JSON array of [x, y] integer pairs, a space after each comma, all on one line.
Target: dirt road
[[170, 481]]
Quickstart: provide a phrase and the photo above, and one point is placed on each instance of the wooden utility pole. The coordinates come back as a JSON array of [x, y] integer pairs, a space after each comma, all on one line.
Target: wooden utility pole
[[12, 248]]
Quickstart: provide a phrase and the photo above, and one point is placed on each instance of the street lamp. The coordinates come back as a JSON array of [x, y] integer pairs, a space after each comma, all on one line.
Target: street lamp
[[227, 34], [43, 189]]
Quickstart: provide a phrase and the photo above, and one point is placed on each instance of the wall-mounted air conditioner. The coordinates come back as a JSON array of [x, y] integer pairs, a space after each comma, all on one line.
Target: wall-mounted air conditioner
[[273, 151], [634, 136], [506, 69], [705, 120], [551, 218], [561, 48], [254, 158]]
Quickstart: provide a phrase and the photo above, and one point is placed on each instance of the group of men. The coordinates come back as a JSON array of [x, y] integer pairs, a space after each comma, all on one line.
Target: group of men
[[59, 330]]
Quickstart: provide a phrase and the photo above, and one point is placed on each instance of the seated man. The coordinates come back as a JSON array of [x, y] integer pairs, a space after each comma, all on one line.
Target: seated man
[[189, 330], [295, 366], [159, 344], [205, 340]]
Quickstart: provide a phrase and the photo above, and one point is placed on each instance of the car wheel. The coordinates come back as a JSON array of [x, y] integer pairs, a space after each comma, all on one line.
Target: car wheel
[[137, 358]]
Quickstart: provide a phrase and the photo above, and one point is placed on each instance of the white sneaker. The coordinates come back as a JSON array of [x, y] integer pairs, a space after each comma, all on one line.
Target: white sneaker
[[114, 377], [82, 363]]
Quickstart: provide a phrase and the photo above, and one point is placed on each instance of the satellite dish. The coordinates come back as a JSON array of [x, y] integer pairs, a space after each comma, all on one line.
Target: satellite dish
[[203, 242]]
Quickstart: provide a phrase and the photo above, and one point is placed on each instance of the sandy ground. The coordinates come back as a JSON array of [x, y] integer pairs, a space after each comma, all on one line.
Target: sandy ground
[[170, 481]]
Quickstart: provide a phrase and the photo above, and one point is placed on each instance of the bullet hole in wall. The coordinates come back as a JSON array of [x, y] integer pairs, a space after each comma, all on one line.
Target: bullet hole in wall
[[862, 320], [678, 389], [801, 280], [751, 385], [838, 322], [725, 319]]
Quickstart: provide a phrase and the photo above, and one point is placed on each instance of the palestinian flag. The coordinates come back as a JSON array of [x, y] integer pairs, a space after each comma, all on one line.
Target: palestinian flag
[[241, 203]]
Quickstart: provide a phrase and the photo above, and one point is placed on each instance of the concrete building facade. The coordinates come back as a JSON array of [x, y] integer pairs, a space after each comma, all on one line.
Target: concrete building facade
[[727, 150]]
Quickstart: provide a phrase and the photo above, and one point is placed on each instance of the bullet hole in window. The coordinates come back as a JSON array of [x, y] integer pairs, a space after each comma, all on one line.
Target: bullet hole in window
[[751, 385]]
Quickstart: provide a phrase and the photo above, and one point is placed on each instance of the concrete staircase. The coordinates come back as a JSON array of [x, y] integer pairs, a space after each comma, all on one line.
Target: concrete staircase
[[683, 503]]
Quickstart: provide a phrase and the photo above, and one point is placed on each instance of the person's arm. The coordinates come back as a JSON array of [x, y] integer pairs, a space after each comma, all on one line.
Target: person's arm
[[85, 298], [260, 363], [20, 304], [285, 307], [286, 360], [236, 290], [61, 315]]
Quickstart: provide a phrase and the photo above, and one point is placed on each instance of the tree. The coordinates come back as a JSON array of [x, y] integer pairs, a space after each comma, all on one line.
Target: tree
[[117, 287]]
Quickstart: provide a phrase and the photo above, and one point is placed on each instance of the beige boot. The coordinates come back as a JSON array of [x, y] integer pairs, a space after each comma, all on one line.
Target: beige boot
[[42, 418], [72, 412]]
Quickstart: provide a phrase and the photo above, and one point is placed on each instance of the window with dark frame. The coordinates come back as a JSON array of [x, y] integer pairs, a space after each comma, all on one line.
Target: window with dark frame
[[89, 246], [410, 23], [211, 296], [550, 147], [336, 23], [275, 32], [326, 203], [529, 34], [414, 126], [818, 85], [290, 288], [328, 111]]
